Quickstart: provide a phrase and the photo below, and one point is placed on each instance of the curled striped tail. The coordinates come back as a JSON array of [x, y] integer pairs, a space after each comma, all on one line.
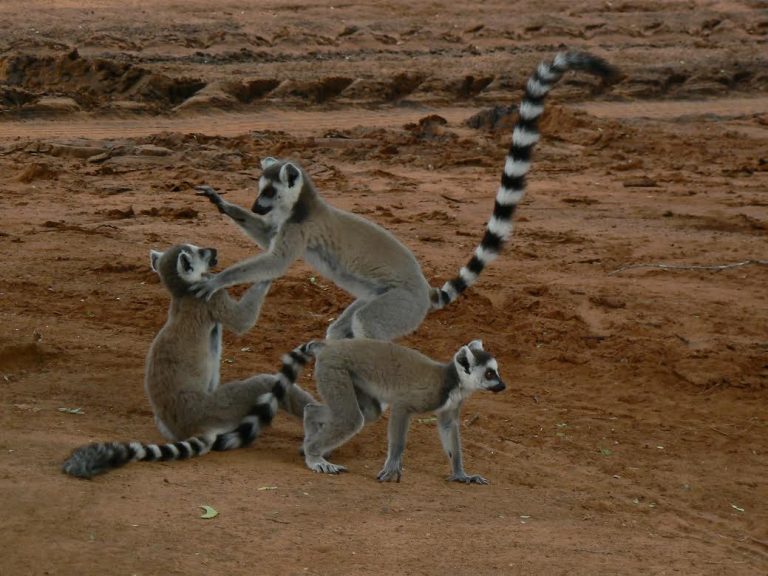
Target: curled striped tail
[[293, 363], [524, 137], [98, 458]]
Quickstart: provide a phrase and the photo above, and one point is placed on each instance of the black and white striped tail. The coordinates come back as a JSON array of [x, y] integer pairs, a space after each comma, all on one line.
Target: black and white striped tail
[[98, 458], [518, 161], [293, 363], [92, 459]]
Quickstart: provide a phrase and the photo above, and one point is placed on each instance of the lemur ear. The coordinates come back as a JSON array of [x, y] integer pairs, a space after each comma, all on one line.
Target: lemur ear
[[464, 358], [289, 174], [267, 162], [154, 259], [184, 261], [476, 345]]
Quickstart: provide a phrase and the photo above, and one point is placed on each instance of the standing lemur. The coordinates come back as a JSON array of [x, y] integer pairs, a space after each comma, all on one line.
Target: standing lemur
[[182, 374], [291, 219], [403, 378]]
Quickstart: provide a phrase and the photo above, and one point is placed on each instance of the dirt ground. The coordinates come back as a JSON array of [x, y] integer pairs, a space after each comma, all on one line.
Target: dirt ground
[[633, 438]]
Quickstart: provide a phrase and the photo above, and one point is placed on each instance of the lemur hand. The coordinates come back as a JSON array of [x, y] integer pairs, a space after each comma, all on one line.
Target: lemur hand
[[207, 288], [212, 195]]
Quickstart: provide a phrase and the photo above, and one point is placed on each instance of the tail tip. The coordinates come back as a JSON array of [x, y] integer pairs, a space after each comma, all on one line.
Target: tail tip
[[94, 459], [76, 470], [594, 64], [82, 464]]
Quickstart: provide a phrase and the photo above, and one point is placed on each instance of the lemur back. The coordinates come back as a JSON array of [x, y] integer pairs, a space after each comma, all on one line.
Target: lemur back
[[182, 375]]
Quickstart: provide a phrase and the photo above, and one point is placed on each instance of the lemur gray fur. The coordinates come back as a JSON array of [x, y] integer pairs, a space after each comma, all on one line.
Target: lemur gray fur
[[290, 220], [182, 374], [400, 377]]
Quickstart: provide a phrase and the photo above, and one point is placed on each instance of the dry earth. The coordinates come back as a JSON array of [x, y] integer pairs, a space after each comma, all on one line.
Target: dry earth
[[633, 438]]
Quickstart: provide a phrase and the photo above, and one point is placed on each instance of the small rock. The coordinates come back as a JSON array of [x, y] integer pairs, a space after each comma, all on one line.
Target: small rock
[[55, 104], [608, 302]]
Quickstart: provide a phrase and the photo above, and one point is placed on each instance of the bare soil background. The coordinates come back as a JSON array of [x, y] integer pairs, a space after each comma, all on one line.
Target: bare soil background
[[633, 438]]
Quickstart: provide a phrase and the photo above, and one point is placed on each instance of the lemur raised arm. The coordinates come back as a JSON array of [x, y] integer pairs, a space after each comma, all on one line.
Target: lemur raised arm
[[393, 296], [182, 374], [403, 378]]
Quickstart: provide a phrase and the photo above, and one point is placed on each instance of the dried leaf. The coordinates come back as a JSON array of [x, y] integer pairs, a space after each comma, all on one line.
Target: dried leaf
[[72, 410], [208, 512]]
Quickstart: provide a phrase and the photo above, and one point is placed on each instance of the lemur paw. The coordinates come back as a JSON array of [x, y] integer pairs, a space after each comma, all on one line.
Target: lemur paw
[[212, 195], [390, 475], [205, 290], [322, 465], [467, 479]]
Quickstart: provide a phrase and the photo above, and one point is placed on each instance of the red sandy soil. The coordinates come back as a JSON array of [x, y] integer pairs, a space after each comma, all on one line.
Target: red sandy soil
[[633, 438]]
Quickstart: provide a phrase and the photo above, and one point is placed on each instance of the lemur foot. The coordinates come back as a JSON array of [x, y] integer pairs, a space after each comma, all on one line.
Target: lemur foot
[[467, 479], [320, 464], [390, 475]]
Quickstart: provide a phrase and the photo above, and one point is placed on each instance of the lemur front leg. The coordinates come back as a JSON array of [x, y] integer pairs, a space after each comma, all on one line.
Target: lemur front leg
[[448, 426], [397, 432], [252, 224], [287, 246]]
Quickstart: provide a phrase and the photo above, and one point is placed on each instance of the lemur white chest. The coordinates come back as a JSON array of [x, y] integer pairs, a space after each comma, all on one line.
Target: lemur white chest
[[455, 399]]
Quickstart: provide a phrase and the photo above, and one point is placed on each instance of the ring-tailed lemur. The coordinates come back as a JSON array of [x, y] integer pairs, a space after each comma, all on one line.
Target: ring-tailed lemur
[[182, 374], [400, 377], [393, 297]]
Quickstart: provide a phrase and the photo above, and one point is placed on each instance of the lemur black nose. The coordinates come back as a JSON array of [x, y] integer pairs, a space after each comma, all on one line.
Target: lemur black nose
[[259, 209], [498, 387], [213, 252]]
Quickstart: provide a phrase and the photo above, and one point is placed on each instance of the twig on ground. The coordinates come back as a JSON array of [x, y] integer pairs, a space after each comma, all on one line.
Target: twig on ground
[[719, 431], [457, 200], [715, 267]]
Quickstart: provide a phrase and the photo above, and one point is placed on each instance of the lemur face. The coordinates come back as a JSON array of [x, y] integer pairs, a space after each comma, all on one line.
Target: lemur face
[[182, 265], [477, 369], [279, 188]]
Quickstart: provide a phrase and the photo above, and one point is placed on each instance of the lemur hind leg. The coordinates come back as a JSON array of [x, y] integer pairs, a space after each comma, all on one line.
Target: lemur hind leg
[[293, 402], [394, 314], [341, 328], [222, 410], [327, 427]]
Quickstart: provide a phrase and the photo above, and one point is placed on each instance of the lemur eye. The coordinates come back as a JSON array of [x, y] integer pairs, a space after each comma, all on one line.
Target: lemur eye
[[268, 192], [490, 374]]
